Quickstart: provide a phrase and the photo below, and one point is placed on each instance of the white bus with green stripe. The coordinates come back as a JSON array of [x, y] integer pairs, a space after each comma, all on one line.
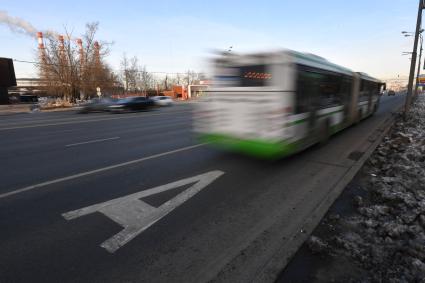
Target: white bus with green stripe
[[275, 104]]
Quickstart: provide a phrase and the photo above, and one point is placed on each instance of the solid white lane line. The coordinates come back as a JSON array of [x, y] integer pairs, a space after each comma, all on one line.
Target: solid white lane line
[[36, 186], [92, 141]]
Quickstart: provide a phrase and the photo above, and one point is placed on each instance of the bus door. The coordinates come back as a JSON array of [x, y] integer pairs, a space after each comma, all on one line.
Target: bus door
[[346, 91], [325, 90], [307, 100], [370, 90]]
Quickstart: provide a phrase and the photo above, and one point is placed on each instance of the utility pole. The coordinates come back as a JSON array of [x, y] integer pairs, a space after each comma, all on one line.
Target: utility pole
[[419, 64], [413, 62]]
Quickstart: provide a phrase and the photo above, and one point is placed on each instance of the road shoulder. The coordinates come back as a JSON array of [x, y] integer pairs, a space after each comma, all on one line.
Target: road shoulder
[[375, 230], [266, 255]]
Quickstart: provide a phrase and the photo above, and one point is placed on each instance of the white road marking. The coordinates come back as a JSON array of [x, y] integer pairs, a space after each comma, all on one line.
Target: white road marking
[[136, 215], [71, 177], [92, 141], [88, 120], [61, 131]]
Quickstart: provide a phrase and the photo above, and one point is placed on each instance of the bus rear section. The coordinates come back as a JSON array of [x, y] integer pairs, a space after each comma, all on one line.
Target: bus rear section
[[369, 93], [248, 108]]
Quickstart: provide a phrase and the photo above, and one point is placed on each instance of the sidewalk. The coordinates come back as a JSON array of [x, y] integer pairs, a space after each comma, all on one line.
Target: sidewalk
[[375, 231], [14, 109], [26, 108], [189, 101]]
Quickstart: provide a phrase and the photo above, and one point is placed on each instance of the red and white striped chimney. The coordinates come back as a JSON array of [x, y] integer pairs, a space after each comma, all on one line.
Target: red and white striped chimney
[[81, 51], [61, 44], [62, 54], [97, 52], [41, 48]]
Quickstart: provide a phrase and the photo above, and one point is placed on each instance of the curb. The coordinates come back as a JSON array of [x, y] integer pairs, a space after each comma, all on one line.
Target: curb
[[12, 113], [59, 109], [10, 110], [274, 266], [186, 101]]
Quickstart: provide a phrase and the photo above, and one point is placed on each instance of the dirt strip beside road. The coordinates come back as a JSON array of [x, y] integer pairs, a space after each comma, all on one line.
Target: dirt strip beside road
[[375, 232]]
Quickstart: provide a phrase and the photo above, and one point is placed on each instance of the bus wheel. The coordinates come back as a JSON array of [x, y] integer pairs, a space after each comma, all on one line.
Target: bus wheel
[[325, 132], [375, 108], [359, 117]]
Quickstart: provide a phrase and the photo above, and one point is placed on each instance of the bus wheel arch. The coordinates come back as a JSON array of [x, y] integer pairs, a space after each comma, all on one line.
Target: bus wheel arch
[[359, 116], [375, 108]]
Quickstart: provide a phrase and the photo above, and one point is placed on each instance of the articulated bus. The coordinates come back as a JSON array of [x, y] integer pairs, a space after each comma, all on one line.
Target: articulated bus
[[275, 104]]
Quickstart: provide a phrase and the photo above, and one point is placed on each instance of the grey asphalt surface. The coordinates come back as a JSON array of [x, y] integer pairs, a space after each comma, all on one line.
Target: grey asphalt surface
[[207, 237]]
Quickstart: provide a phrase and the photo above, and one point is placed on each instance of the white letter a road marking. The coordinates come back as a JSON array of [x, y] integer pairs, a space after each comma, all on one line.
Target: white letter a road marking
[[136, 215]]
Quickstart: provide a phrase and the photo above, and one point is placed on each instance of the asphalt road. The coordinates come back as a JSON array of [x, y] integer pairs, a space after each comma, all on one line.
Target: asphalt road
[[212, 227]]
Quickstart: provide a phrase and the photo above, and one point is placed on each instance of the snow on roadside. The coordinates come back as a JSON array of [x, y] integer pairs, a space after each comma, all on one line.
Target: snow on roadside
[[386, 235]]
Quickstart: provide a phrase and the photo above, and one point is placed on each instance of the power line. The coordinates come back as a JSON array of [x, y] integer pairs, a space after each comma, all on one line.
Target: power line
[[92, 67], [51, 64]]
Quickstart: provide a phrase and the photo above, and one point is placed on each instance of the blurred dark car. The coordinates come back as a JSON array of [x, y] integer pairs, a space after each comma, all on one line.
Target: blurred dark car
[[132, 104], [97, 105], [391, 92]]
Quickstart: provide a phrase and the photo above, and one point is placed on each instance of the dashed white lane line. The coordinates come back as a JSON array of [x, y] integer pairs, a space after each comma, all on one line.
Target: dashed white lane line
[[91, 172], [92, 141]]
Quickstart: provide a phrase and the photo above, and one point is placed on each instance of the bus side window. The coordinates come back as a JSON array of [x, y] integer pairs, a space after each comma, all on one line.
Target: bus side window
[[307, 88], [364, 91], [318, 89], [346, 89], [330, 91], [376, 89]]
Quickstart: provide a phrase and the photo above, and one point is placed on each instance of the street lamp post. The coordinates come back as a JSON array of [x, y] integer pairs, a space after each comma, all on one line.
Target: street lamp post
[[407, 34], [419, 66], [413, 62]]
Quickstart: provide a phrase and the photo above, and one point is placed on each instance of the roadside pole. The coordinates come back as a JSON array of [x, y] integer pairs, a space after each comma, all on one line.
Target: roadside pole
[[419, 64], [413, 62]]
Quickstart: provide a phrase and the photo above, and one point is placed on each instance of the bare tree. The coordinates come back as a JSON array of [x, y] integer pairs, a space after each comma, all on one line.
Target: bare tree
[[125, 65], [146, 80], [133, 73], [130, 73], [178, 79], [191, 77], [94, 71], [70, 69]]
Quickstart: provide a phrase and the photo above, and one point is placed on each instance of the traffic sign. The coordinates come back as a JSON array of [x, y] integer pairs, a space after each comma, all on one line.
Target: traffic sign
[[421, 80]]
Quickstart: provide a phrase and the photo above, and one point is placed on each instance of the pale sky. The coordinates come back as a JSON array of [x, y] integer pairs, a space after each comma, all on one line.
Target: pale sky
[[174, 36]]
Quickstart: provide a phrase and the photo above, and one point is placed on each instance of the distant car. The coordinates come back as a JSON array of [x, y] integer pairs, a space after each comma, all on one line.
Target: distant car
[[162, 100], [132, 104], [391, 92], [96, 105]]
